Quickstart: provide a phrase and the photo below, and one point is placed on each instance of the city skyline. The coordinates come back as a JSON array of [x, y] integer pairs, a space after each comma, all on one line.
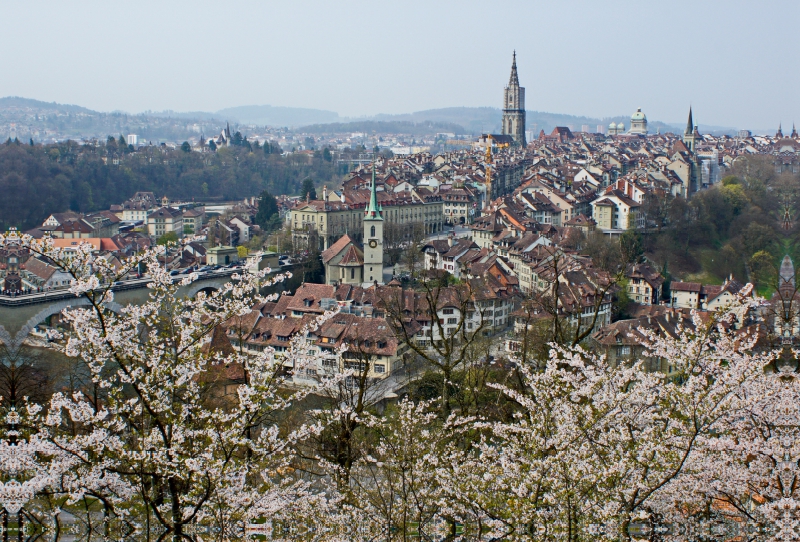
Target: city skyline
[[598, 61]]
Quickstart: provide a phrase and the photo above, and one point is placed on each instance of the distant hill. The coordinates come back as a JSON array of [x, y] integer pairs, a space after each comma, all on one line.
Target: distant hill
[[386, 127], [54, 121], [269, 115], [16, 102], [474, 120]]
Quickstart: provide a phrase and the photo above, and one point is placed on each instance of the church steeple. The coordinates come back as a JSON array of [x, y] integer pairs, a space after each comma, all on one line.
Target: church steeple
[[373, 211], [373, 237], [780, 132], [689, 123], [513, 81], [514, 107]]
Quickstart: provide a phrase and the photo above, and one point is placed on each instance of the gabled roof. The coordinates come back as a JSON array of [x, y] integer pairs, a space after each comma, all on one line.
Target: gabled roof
[[342, 243]]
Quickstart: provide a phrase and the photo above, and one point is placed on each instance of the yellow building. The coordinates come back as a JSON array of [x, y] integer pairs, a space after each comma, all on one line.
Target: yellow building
[[342, 213]]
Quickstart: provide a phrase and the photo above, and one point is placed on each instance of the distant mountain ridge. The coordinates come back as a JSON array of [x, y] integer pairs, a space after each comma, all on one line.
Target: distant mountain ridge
[[17, 102], [461, 120]]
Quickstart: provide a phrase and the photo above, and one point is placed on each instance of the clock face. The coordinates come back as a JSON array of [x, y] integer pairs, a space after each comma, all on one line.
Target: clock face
[[373, 243]]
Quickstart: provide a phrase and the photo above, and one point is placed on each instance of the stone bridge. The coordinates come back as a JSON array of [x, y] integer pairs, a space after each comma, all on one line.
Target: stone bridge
[[20, 315]]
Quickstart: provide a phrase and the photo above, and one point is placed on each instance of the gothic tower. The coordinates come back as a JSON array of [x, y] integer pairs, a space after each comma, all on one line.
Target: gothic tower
[[690, 134], [514, 107], [373, 237]]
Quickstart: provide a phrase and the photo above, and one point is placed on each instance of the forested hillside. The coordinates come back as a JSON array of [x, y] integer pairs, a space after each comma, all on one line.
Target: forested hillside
[[38, 180], [738, 227]]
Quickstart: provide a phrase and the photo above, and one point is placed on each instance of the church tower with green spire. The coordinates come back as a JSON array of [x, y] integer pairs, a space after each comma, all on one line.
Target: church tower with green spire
[[373, 237]]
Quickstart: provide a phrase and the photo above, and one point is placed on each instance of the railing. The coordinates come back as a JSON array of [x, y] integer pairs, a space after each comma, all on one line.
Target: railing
[[34, 298]]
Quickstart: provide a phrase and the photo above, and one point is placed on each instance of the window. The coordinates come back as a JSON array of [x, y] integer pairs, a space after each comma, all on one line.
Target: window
[[372, 231], [447, 311], [452, 320], [380, 368]]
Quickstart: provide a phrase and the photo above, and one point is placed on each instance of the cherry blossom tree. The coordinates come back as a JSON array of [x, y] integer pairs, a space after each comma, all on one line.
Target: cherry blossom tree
[[175, 430]]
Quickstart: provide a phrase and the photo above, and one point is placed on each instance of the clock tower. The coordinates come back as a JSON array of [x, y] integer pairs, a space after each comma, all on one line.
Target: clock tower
[[373, 237]]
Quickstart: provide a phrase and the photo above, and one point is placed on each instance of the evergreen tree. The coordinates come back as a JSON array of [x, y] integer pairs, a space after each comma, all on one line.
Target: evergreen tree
[[267, 211], [212, 145], [185, 147], [308, 190]]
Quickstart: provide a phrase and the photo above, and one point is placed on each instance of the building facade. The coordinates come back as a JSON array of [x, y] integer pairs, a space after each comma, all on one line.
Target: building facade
[[165, 220], [325, 221]]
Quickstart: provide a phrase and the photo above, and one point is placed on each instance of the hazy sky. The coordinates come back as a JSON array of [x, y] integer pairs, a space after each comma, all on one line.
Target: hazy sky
[[735, 62]]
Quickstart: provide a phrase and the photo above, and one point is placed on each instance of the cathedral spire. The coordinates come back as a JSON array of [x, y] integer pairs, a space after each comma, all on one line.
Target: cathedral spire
[[373, 212], [514, 79], [690, 123]]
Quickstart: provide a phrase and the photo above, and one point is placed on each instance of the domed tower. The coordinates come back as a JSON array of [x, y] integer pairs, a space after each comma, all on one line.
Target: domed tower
[[638, 123], [514, 107], [612, 128]]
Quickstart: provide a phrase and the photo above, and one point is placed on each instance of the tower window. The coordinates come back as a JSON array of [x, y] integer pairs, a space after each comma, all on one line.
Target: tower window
[[372, 231]]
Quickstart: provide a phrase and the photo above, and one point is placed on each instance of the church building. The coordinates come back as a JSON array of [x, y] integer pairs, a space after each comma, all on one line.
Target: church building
[[347, 262]]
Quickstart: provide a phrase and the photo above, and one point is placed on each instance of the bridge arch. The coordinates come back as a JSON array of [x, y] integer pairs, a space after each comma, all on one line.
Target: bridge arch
[[205, 286], [14, 343]]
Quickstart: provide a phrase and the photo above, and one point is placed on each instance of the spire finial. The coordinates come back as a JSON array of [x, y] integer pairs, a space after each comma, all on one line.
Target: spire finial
[[514, 79]]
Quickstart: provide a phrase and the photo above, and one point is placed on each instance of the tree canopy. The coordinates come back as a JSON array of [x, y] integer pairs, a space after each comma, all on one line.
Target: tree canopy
[[39, 180]]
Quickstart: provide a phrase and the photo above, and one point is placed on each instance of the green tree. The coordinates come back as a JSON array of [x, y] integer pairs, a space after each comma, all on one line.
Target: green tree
[[758, 237], [735, 195], [326, 154], [308, 189], [631, 246], [168, 238], [185, 147], [212, 145], [267, 210], [762, 269]]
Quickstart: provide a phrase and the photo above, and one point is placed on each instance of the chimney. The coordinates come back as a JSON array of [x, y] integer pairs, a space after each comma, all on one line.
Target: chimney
[[450, 239], [342, 195], [325, 192]]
